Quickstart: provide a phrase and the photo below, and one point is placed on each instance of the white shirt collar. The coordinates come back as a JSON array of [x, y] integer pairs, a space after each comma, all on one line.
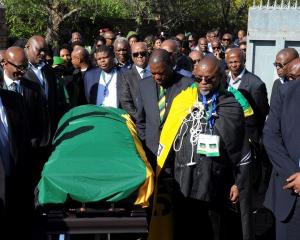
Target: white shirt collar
[[141, 70], [9, 81], [38, 67], [239, 77]]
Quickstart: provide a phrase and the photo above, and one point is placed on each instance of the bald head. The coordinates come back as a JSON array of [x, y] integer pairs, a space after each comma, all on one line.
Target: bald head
[[15, 54], [170, 45], [161, 67], [283, 57], [15, 62], [208, 73], [293, 69], [35, 49], [196, 56], [160, 56], [79, 57]]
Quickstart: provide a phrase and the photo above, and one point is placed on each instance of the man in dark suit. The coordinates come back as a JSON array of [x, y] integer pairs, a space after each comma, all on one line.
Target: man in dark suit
[[131, 78], [102, 85], [81, 63], [254, 90], [151, 116], [44, 76], [15, 65], [15, 195], [283, 57], [282, 143]]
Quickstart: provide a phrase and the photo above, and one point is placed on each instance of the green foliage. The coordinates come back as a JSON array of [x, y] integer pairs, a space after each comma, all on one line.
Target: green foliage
[[26, 18]]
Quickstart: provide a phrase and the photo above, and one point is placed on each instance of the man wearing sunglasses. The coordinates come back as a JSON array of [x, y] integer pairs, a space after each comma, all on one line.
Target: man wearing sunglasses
[[19, 132], [130, 83], [283, 57]]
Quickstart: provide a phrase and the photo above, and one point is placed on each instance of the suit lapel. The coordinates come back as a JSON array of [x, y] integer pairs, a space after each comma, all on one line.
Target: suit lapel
[[31, 75], [94, 87], [244, 81]]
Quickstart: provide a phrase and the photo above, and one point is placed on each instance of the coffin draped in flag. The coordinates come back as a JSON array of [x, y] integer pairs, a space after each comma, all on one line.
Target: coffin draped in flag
[[97, 156]]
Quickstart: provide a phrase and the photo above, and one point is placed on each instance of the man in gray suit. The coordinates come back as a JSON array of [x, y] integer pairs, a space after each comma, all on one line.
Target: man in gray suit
[[131, 78], [151, 116]]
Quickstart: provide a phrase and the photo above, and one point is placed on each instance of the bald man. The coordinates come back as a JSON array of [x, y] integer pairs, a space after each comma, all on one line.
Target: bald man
[[130, 83], [44, 76], [282, 142], [196, 56], [15, 65], [180, 62], [293, 70], [81, 63], [163, 82], [283, 57], [204, 177], [253, 89]]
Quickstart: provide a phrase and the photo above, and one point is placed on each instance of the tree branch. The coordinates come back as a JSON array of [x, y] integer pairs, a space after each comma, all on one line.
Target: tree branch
[[75, 10]]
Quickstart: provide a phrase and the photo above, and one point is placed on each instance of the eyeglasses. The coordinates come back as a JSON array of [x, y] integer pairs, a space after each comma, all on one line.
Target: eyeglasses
[[195, 61], [279, 65], [22, 67], [226, 39], [142, 54], [216, 48]]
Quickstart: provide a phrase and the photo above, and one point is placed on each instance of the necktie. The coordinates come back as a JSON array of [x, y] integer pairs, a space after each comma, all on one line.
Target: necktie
[[13, 87], [143, 73], [162, 102]]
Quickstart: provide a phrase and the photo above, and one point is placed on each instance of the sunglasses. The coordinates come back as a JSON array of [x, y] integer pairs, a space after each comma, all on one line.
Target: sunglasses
[[142, 54], [216, 48], [226, 39], [22, 67]]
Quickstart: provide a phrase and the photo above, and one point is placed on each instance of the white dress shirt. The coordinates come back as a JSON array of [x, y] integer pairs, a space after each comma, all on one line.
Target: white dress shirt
[[143, 72], [38, 72], [107, 89], [9, 82], [236, 83]]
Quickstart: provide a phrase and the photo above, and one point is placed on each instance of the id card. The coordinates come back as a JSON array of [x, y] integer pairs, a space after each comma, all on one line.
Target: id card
[[208, 145]]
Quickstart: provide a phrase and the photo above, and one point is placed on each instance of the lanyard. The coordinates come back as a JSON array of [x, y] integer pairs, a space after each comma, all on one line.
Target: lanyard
[[107, 82], [213, 112]]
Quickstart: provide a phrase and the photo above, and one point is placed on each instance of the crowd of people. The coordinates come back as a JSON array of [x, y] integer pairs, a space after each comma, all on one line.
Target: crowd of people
[[204, 120]]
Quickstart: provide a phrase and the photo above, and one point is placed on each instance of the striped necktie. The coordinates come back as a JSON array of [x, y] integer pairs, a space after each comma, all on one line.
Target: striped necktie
[[162, 102]]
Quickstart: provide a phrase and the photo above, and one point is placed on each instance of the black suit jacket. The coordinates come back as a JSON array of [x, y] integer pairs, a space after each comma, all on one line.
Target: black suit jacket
[[282, 142], [254, 90], [36, 109], [91, 83], [148, 121], [18, 135], [130, 90], [53, 107]]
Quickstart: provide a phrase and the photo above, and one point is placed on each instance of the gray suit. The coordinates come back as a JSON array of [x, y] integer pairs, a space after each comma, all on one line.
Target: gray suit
[[129, 91]]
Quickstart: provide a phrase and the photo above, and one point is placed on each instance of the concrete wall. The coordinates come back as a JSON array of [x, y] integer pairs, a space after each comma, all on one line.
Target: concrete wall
[[3, 29], [269, 30]]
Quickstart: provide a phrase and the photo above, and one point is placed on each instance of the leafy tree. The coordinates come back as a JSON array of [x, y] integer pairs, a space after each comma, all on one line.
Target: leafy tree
[[45, 17]]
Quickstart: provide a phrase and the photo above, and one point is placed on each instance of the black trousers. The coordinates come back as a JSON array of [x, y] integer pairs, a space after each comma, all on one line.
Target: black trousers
[[199, 220]]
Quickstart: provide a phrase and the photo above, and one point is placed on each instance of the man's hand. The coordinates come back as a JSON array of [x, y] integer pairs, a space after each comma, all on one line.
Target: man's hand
[[234, 194], [293, 182]]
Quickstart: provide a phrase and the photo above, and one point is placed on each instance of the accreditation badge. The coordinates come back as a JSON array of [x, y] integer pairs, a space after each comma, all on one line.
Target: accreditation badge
[[208, 145]]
